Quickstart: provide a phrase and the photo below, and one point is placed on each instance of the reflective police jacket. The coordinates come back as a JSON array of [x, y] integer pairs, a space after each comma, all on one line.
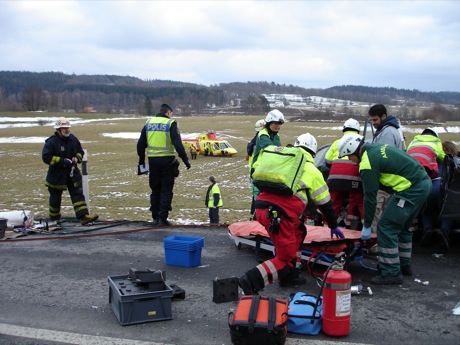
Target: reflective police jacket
[[213, 197], [383, 166], [427, 149], [160, 136], [55, 150]]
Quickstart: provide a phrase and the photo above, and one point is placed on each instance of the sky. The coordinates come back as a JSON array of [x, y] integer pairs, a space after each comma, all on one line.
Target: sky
[[313, 44]]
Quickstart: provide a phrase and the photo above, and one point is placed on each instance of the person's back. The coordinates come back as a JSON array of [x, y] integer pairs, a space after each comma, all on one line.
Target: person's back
[[427, 149]]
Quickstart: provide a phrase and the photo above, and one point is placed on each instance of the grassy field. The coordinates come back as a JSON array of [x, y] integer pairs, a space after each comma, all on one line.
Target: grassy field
[[117, 192]]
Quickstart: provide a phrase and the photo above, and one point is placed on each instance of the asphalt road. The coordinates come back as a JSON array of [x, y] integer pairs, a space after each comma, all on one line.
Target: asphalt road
[[55, 291]]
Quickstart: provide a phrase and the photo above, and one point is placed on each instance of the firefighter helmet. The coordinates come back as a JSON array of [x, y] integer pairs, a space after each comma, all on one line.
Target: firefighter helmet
[[259, 125], [274, 116], [351, 124], [308, 142], [430, 131], [62, 122], [348, 144]]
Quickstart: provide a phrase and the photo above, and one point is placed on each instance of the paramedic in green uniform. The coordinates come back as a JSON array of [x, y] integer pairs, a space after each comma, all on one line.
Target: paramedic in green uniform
[[389, 168]]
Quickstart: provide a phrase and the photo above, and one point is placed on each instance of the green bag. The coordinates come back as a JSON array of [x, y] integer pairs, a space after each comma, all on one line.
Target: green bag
[[278, 169]]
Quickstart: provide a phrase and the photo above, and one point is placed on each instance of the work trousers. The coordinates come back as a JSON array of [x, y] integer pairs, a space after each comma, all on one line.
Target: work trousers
[[394, 237], [76, 195], [214, 215], [382, 200], [287, 241], [355, 205], [161, 181]]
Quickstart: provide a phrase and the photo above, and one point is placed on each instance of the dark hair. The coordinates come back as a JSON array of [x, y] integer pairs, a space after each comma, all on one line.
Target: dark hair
[[377, 110], [212, 179], [164, 108]]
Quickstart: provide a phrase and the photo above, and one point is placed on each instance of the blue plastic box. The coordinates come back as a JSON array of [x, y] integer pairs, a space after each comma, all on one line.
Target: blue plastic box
[[182, 250]]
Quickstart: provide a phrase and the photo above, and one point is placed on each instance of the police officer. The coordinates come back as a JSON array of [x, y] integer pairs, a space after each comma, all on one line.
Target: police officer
[[160, 136], [382, 165], [282, 216], [62, 152]]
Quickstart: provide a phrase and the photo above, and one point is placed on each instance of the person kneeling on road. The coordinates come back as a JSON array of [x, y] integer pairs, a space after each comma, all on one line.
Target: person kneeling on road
[[282, 216]]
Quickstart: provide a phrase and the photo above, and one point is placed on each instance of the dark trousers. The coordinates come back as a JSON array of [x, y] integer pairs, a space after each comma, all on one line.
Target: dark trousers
[[214, 215], [161, 181], [77, 197]]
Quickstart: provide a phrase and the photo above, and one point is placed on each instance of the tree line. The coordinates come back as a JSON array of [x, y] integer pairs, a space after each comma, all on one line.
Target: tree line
[[56, 91]]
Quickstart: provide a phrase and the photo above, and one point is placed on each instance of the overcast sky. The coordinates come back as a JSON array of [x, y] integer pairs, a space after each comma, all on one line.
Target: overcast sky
[[313, 44]]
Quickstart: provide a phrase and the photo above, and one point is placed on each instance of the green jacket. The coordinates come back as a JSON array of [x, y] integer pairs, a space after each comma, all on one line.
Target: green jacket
[[385, 167]]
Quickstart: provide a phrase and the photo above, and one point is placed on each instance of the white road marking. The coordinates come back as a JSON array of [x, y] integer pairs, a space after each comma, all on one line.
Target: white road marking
[[66, 337]]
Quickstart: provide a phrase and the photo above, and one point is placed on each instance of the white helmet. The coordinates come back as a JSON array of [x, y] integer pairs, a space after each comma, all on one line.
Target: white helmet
[[348, 144], [274, 116], [62, 122], [307, 141], [259, 125], [351, 124], [431, 131]]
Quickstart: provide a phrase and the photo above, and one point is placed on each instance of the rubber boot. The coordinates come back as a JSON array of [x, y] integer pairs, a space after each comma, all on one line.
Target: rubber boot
[[251, 282]]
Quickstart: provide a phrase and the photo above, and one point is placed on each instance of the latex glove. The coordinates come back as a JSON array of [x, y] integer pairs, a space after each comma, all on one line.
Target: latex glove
[[366, 233], [67, 163], [188, 165], [337, 232]]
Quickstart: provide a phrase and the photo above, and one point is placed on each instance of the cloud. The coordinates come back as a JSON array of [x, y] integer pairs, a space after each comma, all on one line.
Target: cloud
[[403, 44]]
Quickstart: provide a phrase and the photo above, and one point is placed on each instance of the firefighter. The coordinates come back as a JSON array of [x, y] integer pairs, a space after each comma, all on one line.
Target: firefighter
[[344, 181], [384, 166], [283, 218], [62, 152], [160, 136]]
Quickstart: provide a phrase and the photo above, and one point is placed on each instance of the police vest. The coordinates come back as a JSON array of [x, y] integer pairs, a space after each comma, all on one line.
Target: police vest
[[159, 138]]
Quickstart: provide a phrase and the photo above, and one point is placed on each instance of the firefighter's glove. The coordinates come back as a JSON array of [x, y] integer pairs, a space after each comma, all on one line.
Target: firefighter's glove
[[366, 233], [337, 233], [67, 163], [188, 165]]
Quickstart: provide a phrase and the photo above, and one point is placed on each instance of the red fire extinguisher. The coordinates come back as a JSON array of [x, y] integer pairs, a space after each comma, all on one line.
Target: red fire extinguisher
[[337, 299]]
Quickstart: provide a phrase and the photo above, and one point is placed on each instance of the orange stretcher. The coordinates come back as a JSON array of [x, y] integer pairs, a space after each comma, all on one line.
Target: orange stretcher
[[318, 246]]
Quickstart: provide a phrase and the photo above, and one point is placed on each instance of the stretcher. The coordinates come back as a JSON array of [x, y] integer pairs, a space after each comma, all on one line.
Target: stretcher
[[318, 247]]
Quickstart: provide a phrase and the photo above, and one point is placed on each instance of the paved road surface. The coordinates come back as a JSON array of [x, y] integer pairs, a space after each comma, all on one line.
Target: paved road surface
[[55, 291]]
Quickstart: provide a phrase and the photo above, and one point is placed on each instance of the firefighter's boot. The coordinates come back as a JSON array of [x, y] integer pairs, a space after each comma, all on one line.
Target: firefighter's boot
[[86, 219]]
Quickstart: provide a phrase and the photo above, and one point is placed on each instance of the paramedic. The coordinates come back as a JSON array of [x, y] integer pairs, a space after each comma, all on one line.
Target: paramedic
[[62, 152], [160, 136], [268, 135], [250, 152], [282, 216], [344, 181], [213, 200], [382, 165], [387, 132]]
